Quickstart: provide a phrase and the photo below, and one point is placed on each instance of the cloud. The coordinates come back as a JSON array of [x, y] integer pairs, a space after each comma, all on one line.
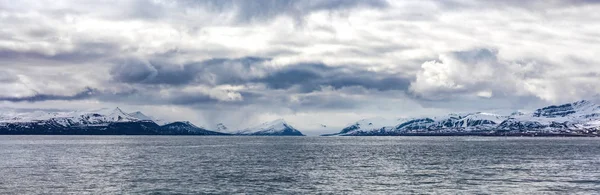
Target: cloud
[[305, 77], [458, 73], [312, 76], [87, 93], [480, 73], [251, 11], [79, 52], [213, 72], [133, 71], [7, 77]]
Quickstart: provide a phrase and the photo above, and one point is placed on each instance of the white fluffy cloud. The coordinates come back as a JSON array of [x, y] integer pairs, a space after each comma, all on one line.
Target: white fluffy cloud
[[480, 73]]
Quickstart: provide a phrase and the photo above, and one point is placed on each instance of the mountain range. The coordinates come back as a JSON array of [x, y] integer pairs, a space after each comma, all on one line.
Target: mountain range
[[118, 122], [581, 118]]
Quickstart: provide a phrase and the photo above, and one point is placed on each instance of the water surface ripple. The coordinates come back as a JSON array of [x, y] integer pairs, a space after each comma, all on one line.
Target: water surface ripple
[[297, 165]]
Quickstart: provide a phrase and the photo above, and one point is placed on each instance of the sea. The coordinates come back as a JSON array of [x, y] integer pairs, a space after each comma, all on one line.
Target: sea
[[298, 165]]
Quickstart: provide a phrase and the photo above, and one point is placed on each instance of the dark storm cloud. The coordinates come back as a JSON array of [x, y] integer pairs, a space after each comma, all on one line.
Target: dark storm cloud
[[212, 72], [310, 77], [191, 99], [133, 71], [305, 77], [86, 94]]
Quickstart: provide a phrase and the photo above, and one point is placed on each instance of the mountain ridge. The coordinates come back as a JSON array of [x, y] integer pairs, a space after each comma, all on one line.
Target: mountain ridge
[[102, 122], [118, 122], [278, 127], [581, 118]]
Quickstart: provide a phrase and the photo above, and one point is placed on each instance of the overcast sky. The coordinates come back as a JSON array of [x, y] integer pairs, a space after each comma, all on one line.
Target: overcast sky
[[332, 62]]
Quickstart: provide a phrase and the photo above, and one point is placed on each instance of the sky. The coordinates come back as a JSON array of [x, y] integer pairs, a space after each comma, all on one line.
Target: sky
[[311, 62]]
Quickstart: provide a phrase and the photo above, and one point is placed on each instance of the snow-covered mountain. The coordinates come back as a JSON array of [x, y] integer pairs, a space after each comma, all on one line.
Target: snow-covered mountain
[[277, 127], [572, 117], [581, 118], [370, 125], [141, 116], [105, 122], [186, 128], [578, 118], [117, 122], [73, 118]]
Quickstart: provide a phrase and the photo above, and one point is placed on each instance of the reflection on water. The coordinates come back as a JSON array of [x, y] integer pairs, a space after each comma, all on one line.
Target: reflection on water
[[258, 165]]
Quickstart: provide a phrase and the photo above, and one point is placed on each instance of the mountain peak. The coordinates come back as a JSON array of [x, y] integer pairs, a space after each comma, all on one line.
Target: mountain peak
[[118, 110], [275, 123], [276, 127], [119, 116]]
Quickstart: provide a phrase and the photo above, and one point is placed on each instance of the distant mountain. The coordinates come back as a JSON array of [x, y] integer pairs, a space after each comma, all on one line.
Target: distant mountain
[[115, 122], [368, 126], [277, 127], [186, 128], [580, 118], [577, 117], [119, 116]]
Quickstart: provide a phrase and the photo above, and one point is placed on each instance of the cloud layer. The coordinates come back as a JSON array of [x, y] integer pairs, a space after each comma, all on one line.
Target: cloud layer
[[244, 62]]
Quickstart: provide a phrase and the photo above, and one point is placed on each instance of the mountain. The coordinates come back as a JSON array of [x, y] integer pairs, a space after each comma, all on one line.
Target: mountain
[[581, 118], [577, 117], [277, 127], [141, 116], [572, 119], [103, 122], [368, 126], [119, 116], [186, 128]]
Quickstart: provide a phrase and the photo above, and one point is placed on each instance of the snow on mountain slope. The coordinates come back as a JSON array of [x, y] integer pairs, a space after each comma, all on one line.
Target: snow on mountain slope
[[186, 128], [141, 116], [463, 122], [581, 108], [581, 115], [73, 118], [119, 116], [453, 122], [371, 125], [577, 117], [276, 127]]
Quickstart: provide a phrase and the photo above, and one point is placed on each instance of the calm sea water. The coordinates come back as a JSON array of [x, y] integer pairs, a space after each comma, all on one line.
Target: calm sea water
[[301, 165]]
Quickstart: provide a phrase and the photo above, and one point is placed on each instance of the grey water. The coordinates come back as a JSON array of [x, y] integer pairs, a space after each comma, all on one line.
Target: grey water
[[297, 165]]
